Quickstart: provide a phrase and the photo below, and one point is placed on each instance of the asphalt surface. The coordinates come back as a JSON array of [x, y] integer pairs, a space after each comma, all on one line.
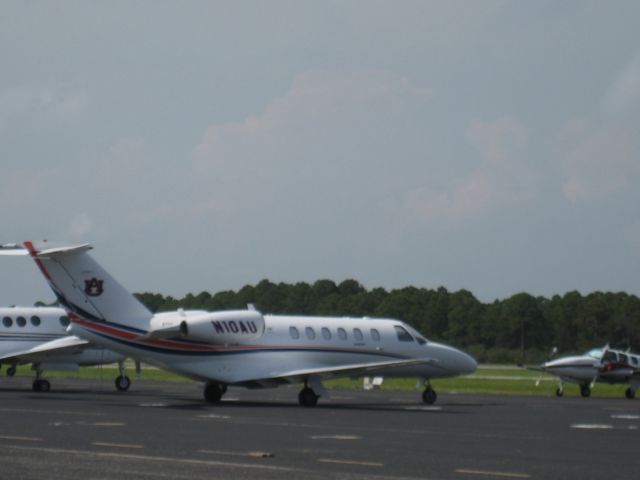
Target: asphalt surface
[[86, 430]]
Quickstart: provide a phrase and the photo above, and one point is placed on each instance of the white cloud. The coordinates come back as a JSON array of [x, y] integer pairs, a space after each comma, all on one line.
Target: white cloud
[[624, 93], [600, 153], [500, 142], [81, 227], [600, 161], [331, 134], [500, 177], [32, 104]]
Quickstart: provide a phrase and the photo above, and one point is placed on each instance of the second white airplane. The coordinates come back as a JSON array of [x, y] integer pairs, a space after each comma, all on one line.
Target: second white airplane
[[37, 335], [240, 347]]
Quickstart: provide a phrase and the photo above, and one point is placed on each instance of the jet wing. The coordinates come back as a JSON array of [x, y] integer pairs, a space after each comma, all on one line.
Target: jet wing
[[294, 376], [67, 344]]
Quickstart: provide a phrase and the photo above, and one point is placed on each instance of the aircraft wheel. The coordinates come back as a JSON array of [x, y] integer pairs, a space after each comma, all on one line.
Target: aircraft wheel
[[630, 394], [559, 392], [429, 396], [11, 371], [212, 392], [585, 391], [41, 385], [307, 397], [123, 383]]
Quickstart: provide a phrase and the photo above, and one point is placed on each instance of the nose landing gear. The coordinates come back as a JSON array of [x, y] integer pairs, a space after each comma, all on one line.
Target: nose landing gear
[[429, 396]]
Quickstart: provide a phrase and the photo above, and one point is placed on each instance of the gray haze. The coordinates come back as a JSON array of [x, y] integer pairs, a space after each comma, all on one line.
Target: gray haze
[[487, 145]]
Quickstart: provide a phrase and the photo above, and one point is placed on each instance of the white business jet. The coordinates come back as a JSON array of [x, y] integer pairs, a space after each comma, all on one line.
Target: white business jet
[[240, 347], [597, 365], [37, 335]]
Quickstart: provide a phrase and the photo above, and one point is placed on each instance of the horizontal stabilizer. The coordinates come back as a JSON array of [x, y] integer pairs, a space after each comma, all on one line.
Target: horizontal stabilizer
[[48, 252], [12, 249]]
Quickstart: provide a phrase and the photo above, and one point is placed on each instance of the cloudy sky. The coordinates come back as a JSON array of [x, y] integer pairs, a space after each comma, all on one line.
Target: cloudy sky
[[487, 145]]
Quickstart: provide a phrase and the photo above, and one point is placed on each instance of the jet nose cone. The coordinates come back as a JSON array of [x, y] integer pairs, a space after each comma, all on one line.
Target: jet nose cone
[[468, 364]]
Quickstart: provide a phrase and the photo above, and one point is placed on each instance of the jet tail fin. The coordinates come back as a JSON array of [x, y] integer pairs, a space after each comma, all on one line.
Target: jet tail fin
[[82, 286]]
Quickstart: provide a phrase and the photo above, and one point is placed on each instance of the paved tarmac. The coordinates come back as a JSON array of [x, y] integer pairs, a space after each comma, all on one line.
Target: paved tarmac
[[86, 430]]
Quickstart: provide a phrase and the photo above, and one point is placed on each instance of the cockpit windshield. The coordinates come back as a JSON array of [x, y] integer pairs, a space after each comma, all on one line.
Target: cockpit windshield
[[419, 338], [594, 353]]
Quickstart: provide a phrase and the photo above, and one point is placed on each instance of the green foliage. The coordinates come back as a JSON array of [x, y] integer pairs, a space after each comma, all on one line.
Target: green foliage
[[497, 332]]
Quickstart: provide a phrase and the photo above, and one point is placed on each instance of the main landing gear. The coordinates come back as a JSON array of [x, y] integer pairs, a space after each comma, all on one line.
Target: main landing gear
[[40, 384], [307, 397], [122, 381], [630, 393], [11, 371], [585, 391], [213, 391], [560, 390]]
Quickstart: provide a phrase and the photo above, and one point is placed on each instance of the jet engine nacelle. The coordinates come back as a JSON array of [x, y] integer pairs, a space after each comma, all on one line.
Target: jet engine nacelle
[[235, 326]]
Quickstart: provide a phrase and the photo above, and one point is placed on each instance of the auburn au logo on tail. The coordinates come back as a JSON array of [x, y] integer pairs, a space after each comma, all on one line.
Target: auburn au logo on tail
[[93, 287]]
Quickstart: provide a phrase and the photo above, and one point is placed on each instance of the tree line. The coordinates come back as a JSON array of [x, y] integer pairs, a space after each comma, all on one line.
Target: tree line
[[519, 328]]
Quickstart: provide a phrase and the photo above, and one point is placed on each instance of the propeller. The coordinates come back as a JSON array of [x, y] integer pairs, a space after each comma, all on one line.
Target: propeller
[[552, 353]]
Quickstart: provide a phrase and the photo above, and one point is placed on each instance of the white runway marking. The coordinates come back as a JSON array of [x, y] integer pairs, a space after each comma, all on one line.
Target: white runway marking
[[626, 417], [23, 439], [152, 458], [238, 454], [488, 473], [350, 462], [592, 426], [335, 437], [425, 409], [116, 445]]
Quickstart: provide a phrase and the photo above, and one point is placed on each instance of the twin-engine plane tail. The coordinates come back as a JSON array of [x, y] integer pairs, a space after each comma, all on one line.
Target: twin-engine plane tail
[[83, 287]]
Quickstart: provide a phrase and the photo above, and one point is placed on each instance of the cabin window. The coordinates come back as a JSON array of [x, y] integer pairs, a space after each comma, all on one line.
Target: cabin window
[[342, 333], [295, 334], [609, 357], [64, 321], [326, 333], [21, 321], [403, 335], [421, 340], [7, 322], [311, 334], [35, 321], [357, 334], [623, 358], [634, 360], [375, 335]]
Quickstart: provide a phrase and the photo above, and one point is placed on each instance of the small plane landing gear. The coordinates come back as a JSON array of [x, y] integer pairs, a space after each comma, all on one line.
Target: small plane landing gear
[[585, 391], [123, 383], [560, 390], [41, 385], [11, 371], [630, 394], [307, 397], [213, 392], [429, 396]]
